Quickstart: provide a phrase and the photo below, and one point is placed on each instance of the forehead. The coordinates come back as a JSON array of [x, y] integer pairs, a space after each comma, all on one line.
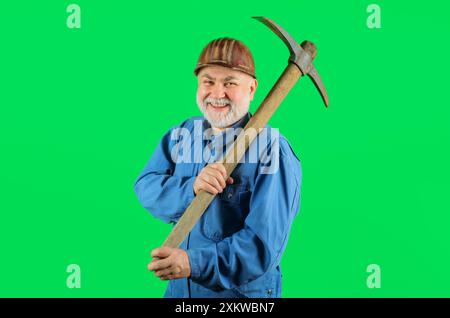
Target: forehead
[[220, 72]]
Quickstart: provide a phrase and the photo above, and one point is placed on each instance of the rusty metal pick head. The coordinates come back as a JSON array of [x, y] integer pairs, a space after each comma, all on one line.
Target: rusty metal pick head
[[301, 55]]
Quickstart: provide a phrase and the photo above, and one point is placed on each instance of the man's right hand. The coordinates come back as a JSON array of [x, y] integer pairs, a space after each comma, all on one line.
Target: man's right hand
[[212, 179]]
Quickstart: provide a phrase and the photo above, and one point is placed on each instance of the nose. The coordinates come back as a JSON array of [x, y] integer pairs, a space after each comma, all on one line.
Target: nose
[[218, 91]]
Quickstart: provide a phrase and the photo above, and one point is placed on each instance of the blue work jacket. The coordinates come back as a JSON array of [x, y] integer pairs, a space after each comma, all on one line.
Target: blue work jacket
[[236, 247]]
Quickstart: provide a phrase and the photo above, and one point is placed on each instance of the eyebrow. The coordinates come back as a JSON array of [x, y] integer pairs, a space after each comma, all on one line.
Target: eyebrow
[[228, 78], [208, 77]]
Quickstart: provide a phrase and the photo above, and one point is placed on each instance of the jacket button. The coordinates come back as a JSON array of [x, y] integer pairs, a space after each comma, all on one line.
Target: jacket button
[[269, 292], [230, 195]]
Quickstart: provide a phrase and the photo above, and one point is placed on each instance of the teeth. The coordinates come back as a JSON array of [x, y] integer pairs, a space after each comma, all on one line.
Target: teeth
[[218, 103]]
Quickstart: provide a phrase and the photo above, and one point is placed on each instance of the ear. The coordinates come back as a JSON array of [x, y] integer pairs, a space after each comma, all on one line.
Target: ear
[[253, 86]]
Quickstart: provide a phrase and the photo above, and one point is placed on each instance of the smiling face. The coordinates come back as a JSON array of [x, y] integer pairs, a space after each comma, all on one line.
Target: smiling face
[[224, 95]]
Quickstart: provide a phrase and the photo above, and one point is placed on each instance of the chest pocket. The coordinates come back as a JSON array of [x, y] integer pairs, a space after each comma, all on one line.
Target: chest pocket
[[227, 212]]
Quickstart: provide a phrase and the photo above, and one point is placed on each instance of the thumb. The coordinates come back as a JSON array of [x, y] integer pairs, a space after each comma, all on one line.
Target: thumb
[[161, 252], [230, 180]]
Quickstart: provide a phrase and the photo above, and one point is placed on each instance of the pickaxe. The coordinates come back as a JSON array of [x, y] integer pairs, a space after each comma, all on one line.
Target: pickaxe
[[299, 64]]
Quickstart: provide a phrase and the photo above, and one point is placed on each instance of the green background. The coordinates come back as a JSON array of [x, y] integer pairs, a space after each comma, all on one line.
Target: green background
[[81, 112]]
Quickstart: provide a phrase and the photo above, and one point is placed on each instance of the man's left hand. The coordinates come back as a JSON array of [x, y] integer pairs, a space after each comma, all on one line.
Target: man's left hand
[[170, 263]]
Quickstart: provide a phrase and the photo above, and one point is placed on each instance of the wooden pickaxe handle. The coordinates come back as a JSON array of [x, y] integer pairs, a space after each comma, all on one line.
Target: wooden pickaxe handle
[[256, 123], [300, 63]]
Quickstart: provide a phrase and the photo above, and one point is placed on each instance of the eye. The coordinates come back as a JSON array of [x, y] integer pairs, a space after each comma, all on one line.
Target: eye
[[229, 84], [207, 82]]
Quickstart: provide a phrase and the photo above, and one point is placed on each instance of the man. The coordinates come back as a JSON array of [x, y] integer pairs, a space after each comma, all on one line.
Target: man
[[235, 249]]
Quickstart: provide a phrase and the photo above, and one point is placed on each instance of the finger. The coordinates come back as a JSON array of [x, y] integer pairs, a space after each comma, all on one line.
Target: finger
[[159, 265], [208, 188], [161, 252], [211, 179], [168, 277], [166, 272], [217, 176], [230, 180], [221, 168]]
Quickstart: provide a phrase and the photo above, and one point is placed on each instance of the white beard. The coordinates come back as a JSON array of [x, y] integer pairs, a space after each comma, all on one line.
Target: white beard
[[227, 119]]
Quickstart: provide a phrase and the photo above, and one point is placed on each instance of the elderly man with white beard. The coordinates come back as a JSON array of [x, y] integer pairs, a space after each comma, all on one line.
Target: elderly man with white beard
[[235, 249]]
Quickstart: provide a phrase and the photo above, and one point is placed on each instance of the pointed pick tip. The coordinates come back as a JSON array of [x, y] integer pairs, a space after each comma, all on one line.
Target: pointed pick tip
[[259, 18], [325, 99]]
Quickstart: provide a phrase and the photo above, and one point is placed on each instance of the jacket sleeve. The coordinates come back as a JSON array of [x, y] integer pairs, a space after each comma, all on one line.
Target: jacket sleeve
[[163, 194], [257, 248]]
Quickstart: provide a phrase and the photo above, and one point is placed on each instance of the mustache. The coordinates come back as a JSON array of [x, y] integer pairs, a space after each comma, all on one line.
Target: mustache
[[217, 101]]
